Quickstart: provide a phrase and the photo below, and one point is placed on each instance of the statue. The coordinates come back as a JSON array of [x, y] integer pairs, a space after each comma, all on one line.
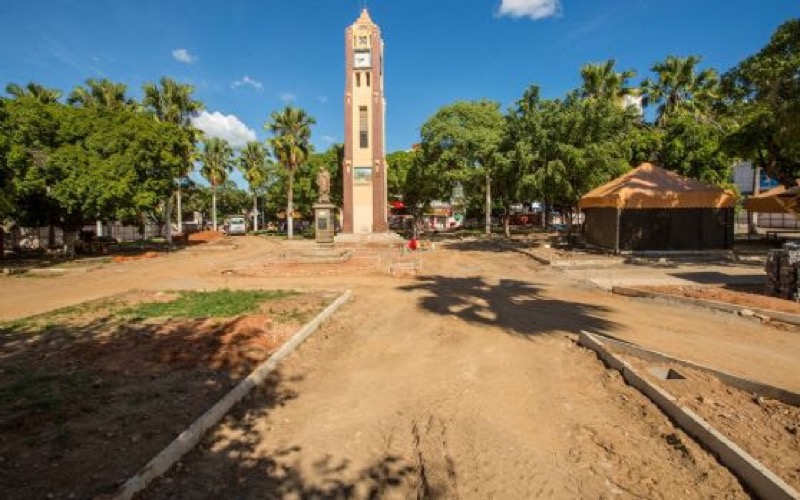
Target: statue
[[324, 185]]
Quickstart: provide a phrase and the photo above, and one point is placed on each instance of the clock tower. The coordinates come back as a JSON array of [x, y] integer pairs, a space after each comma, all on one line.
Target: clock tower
[[364, 164]]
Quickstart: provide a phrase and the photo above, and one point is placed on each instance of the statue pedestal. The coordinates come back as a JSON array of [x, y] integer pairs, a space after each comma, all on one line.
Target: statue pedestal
[[324, 226]]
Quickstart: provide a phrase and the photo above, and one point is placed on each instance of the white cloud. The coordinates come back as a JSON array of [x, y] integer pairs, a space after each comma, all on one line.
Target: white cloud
[[328, 139], [183, 56], [227, 127], [288, 97], [535, 9], [246, 80], [323, 99]]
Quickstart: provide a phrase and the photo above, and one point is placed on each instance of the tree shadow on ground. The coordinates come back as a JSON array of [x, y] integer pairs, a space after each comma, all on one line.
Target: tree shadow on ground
[[70, 390], [232, 462], [717, 278], [516, 306]]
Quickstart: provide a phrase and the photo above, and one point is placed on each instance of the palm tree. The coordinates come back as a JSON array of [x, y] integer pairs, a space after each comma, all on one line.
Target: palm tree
[[39, 92], [217, 161], [602, 81], [252, 165], [172, 102], [679, 86], [291, 129], [101, 93]]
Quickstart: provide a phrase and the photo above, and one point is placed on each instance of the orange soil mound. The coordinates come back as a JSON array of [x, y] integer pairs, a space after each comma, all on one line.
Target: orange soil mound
[[128, 258], [205, 236], [234, 346]]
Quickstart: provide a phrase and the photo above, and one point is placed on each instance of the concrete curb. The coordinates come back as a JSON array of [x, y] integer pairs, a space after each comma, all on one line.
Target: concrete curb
[[792, 319], [755, 475], [747, 385], [189, 438], [531, 255]]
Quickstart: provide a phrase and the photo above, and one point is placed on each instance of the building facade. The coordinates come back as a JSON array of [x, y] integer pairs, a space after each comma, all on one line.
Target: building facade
[[365, 208]]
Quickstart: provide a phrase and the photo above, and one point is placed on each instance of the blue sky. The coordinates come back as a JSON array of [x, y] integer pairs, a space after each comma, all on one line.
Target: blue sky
[[247, 58]]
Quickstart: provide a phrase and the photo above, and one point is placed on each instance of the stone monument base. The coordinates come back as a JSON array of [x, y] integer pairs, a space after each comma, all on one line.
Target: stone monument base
[[388, 237]]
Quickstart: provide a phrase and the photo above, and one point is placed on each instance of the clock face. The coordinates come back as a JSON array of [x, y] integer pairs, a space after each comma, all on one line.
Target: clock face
[[362, 60]]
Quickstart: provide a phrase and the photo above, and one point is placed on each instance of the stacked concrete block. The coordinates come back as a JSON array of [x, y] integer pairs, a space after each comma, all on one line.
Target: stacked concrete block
[[772, 268], [782, 272]]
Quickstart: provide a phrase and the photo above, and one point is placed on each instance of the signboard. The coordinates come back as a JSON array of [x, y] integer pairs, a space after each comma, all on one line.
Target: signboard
[[765, 183]]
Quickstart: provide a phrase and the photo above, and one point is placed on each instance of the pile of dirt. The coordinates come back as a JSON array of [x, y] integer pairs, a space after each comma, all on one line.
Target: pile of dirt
[[233, 346], [206, 237], [743, 296], [128, 258]]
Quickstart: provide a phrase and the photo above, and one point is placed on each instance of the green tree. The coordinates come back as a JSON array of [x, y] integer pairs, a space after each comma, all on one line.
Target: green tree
[[557, 150], [694, 148], [291, 129], [6, 174], [172, 102], [422, 185], [32, 134], [82, 164], [526, 146], [252, 164], [763, 97], [217, 161], [43, 94], [602, 81], [399, 164], [103, 93], [588, 145], [463, 139], [231, 199], [679, 86]]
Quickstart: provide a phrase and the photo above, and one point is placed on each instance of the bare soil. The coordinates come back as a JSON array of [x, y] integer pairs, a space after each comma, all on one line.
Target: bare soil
[[127, 258], [88, 397], [765, 428], [206, 236], [745, 296], [463, 381]]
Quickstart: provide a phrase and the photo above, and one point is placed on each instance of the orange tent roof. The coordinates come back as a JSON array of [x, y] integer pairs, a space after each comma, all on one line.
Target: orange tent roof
[[649, 186], [778, 200]]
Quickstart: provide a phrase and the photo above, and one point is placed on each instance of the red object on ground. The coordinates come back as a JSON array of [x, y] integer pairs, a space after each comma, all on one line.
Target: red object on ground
[[413, 244]]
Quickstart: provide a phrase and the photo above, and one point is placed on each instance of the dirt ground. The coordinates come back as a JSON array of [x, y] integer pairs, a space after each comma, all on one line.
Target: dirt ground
[[89, 395], [464, 381], [744, 296], [765, 428]]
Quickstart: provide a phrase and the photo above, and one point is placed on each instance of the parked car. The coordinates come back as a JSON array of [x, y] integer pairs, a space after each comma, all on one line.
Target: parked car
[[236, 224]]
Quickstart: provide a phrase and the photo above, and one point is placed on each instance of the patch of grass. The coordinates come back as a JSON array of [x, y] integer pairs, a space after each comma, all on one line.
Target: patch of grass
[[216, 304], [293, 315]]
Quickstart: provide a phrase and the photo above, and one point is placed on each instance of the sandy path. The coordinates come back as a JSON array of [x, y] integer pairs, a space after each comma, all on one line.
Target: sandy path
[[189, 268]]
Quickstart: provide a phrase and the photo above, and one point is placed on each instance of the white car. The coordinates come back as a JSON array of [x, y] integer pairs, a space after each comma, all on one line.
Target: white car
[[236, 225]]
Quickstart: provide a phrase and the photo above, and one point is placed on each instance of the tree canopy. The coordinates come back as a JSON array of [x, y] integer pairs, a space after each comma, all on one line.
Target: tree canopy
[[764, 101], [291, 145]]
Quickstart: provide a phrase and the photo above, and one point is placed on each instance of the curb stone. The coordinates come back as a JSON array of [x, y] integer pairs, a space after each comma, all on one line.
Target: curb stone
[[744, 311], [189, 438], [744, 384], [764, 482]]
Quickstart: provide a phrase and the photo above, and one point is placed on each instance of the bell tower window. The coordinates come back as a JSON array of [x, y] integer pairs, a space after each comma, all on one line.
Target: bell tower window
[[363, 127]]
